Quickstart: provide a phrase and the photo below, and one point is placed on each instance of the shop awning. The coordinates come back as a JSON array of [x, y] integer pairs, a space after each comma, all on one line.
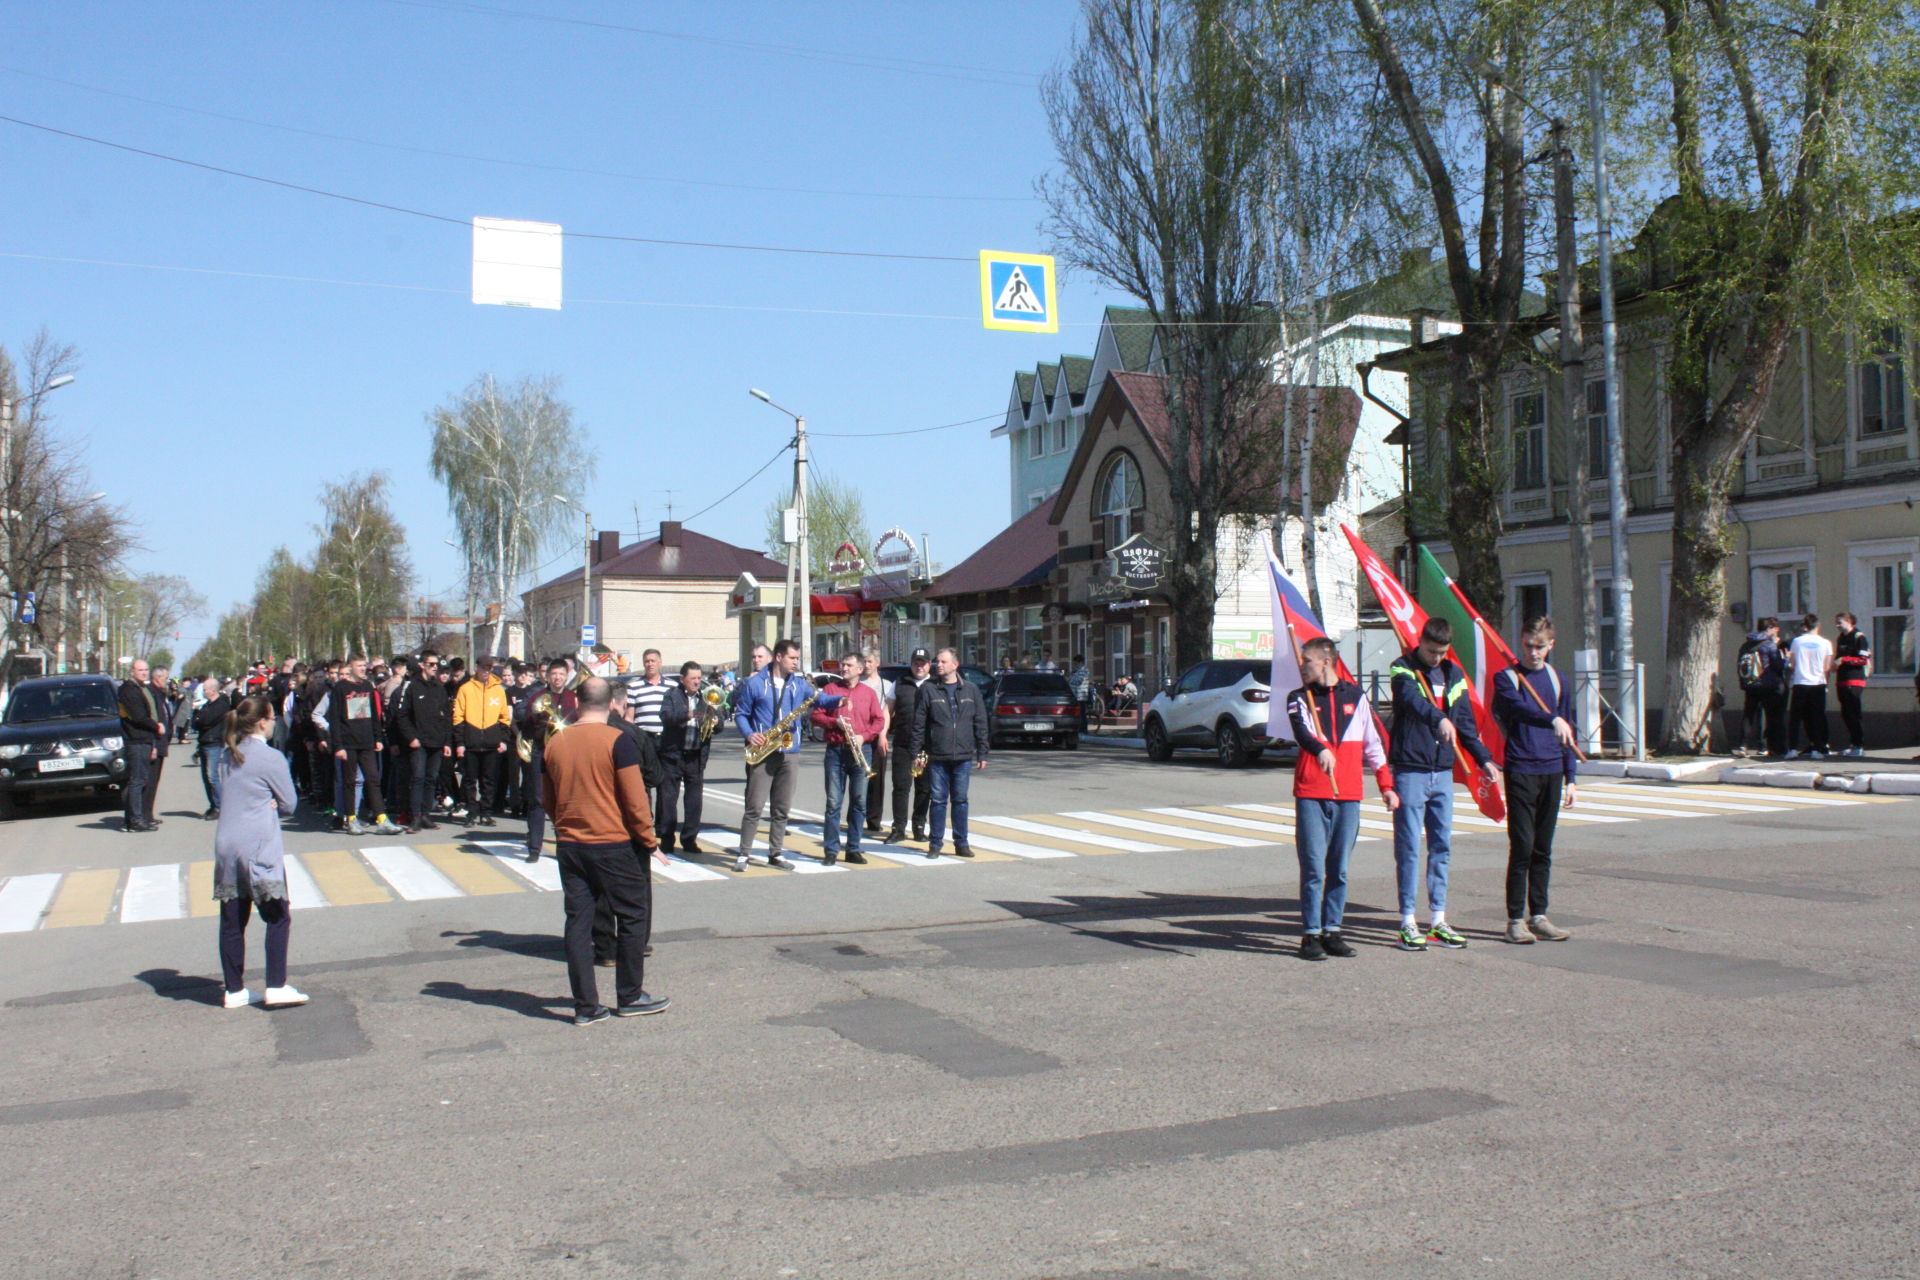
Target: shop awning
[[837, 606]]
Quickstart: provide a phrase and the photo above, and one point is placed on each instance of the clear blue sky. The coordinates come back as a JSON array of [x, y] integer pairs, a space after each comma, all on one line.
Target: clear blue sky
[[215, 404]]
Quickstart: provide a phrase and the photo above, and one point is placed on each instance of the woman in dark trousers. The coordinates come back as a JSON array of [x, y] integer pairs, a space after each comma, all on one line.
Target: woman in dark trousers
[[249, 862], [210, 721]]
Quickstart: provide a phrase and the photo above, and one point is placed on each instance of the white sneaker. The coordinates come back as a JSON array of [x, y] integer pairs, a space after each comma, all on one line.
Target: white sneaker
[[740, 863], [1791, 755], [240, 999], [281, 996]]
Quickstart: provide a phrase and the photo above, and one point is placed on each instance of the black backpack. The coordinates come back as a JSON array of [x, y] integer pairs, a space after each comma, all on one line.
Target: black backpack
[[1751, 664]]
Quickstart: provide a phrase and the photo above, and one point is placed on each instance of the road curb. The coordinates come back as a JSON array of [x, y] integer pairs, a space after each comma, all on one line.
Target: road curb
[[1804, 778], [1109, 740]]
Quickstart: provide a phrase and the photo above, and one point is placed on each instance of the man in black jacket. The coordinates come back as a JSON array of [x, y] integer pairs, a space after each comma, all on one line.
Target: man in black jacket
[[355, 733], [907, 789], [683, 762], [210, 721], [532, 725], [144, 727], [950, 725], [423, 727]]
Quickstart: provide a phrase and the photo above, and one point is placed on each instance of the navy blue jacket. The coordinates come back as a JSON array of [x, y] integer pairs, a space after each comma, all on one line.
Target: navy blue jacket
[[1531, 746], [1415, 745], [1773, 661]]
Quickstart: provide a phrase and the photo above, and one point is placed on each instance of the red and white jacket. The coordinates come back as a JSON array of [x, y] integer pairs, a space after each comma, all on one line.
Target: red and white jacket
[[1342, 719]]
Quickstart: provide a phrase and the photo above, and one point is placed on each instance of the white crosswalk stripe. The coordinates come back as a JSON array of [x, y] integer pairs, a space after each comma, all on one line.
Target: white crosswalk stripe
[[364, 875]]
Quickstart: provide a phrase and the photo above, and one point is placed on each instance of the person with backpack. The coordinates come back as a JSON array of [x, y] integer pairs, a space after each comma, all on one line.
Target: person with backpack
[[1762, 670], [1535, 709]]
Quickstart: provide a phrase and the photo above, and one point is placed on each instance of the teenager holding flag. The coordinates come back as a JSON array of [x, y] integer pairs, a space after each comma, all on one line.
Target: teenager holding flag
[[1535, 707]]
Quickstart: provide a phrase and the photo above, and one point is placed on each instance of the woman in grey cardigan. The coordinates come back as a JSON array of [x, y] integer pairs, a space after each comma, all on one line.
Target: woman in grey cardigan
[[249, 862]]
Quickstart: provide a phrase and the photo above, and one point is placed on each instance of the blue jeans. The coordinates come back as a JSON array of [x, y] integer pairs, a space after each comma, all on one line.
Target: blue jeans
[[842, 770], [1426, 800], [1324, 835], [211, 760], [949, 787]]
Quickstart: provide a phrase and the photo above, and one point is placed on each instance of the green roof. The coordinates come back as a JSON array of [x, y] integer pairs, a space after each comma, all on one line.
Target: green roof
[[1023, 383], [1043, 373], [1077, 370], [1133, 335]]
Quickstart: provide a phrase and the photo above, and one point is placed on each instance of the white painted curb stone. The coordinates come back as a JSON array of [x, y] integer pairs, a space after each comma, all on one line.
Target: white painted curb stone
[[1603, 768], [1896, 784], [1672, 771]]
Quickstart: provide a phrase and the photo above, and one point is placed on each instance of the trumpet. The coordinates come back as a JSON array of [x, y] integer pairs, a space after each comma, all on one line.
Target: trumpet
[[857, 745]]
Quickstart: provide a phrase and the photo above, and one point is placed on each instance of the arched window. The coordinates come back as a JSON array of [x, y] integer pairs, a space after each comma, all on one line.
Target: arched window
[[1118, 499]]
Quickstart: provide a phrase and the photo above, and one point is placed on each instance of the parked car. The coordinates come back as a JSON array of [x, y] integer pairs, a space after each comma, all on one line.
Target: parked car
[[1220, 705], [1034, 705], [61, 735]]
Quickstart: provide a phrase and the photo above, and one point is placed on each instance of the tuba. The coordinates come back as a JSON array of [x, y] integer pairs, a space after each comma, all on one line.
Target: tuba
[[780, 736]]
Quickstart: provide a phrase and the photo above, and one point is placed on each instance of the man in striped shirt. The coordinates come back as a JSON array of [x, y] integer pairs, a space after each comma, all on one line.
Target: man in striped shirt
[[644, 698], [592, 789]]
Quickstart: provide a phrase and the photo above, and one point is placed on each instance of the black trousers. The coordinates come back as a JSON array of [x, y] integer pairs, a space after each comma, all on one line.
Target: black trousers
[[480, 787], [1850, 713], [684, 779], [136, 795], [234, 914], [877, 793], [423, 770], [396, 776], [530, 782], [1763, 721], [366, 761], [450, 775], [1533, 811], [900, 765], [590, 875], [153, 783], [1808, 709]]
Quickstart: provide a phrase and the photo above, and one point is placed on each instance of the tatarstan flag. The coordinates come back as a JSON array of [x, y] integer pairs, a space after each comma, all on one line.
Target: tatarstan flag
[[1479, 647]]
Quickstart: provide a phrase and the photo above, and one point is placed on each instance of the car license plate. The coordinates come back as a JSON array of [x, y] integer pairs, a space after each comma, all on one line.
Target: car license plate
[[62, 763], [1038, 726]]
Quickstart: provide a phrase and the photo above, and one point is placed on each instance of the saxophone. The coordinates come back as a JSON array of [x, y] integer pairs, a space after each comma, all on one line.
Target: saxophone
[[780, 736]]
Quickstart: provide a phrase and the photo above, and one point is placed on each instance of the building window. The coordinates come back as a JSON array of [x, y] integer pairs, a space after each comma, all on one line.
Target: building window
[[1000, 637], [1063, 434], [1783, 590], [1037, 441], [1609, 625], [1597, 428], [1889, 614], [1883, 387], [1527, 415], [1031, 630], [970, 638], [1528, 596], [1118, 499]]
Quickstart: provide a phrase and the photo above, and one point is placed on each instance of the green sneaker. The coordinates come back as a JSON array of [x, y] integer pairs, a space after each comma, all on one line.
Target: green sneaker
[[1444, 935], [1412, 939]]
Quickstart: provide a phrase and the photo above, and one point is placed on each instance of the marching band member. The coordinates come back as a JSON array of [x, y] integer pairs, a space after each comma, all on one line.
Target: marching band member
[[911, 795], [531, 723], [858, 716], [769, 696], [685, 744]]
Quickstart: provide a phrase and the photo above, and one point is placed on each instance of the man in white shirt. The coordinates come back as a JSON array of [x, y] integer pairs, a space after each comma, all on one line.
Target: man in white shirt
[[1809, 667]]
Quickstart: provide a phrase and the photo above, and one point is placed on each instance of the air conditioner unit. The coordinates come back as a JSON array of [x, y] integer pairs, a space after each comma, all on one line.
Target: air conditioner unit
[[933, 615]]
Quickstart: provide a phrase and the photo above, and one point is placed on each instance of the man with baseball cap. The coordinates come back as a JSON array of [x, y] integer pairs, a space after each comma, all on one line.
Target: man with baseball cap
[[906, 693]]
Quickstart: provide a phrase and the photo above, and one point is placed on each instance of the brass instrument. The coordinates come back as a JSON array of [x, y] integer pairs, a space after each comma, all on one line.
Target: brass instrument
[[780, 736], [920, 764], [855, 743], [712, 699], [542, 707]]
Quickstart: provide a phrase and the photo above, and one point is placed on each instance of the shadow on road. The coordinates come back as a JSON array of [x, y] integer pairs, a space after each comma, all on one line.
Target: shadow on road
[[541, 946], [521, 1002], [1200, 922], [175, 985]]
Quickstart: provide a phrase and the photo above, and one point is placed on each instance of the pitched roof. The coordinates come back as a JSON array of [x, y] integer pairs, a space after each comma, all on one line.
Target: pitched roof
[[1022, 553], [1255, 463], [697, 556], [1075, 370], [1023, 383], [1132, 335]]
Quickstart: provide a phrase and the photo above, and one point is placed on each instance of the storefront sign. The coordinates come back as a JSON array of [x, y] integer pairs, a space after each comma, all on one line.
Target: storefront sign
[[846, 560], [1119, 606], [1138, 563], [895, 550]]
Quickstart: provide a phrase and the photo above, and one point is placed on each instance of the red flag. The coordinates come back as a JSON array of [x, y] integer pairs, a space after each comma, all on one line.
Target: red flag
[[1407, 618]]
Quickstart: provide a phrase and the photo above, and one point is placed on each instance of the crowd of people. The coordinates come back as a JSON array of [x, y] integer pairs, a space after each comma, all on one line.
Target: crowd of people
[[1784, 684]]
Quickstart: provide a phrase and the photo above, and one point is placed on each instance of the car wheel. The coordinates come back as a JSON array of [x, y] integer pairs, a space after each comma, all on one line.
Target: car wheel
[[1231, 745], [1158, 748]]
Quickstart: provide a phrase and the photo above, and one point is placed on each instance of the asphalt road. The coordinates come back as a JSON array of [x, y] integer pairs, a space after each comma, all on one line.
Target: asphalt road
[[1077, 1066]]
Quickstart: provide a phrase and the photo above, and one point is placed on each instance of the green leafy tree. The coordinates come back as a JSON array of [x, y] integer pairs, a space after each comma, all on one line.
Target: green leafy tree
[[835, 514]]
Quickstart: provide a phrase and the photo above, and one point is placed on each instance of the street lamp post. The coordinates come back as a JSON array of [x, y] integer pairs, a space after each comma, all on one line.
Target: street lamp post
[[8, 405], [1631, 698], [586, 578], [805, 592]]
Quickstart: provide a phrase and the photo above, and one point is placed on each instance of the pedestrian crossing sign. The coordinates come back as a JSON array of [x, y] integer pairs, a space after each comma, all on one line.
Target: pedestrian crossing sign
[[1016, 292]]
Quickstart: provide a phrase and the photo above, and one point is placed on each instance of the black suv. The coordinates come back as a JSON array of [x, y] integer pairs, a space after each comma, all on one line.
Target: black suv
[[61, 735]]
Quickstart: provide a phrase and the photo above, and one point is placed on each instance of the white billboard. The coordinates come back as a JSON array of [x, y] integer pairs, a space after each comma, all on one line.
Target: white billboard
[[516, 264]]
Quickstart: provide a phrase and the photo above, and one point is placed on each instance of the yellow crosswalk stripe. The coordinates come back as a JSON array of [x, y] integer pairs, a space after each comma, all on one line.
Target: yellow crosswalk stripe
[[85, 897], [474, 872], [342, 878], [200, 890]]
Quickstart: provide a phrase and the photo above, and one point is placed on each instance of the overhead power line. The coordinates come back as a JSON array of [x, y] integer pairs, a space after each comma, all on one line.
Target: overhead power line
[[463, 222], [507, 161]]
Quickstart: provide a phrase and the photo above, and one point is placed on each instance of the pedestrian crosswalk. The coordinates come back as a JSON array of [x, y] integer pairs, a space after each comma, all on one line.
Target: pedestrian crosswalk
[[368, 874]]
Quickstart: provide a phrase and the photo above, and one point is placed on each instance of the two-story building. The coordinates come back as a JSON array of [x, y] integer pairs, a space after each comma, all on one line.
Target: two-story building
[[1825, 517]]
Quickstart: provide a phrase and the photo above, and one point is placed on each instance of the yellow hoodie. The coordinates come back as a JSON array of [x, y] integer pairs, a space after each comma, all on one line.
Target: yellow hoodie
[[481, 704]]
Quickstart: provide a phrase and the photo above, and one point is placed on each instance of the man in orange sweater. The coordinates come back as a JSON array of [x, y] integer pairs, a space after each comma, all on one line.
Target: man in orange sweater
[[1338, 733], [592, 790]]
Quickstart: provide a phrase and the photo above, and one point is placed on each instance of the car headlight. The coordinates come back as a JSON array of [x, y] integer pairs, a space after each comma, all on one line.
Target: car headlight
[[9, 751], [113, 744]]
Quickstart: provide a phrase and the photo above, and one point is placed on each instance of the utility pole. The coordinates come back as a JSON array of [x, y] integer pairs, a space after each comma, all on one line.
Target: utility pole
[[1573, 387], [60, 643], [1616, 442], [806, 571]]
